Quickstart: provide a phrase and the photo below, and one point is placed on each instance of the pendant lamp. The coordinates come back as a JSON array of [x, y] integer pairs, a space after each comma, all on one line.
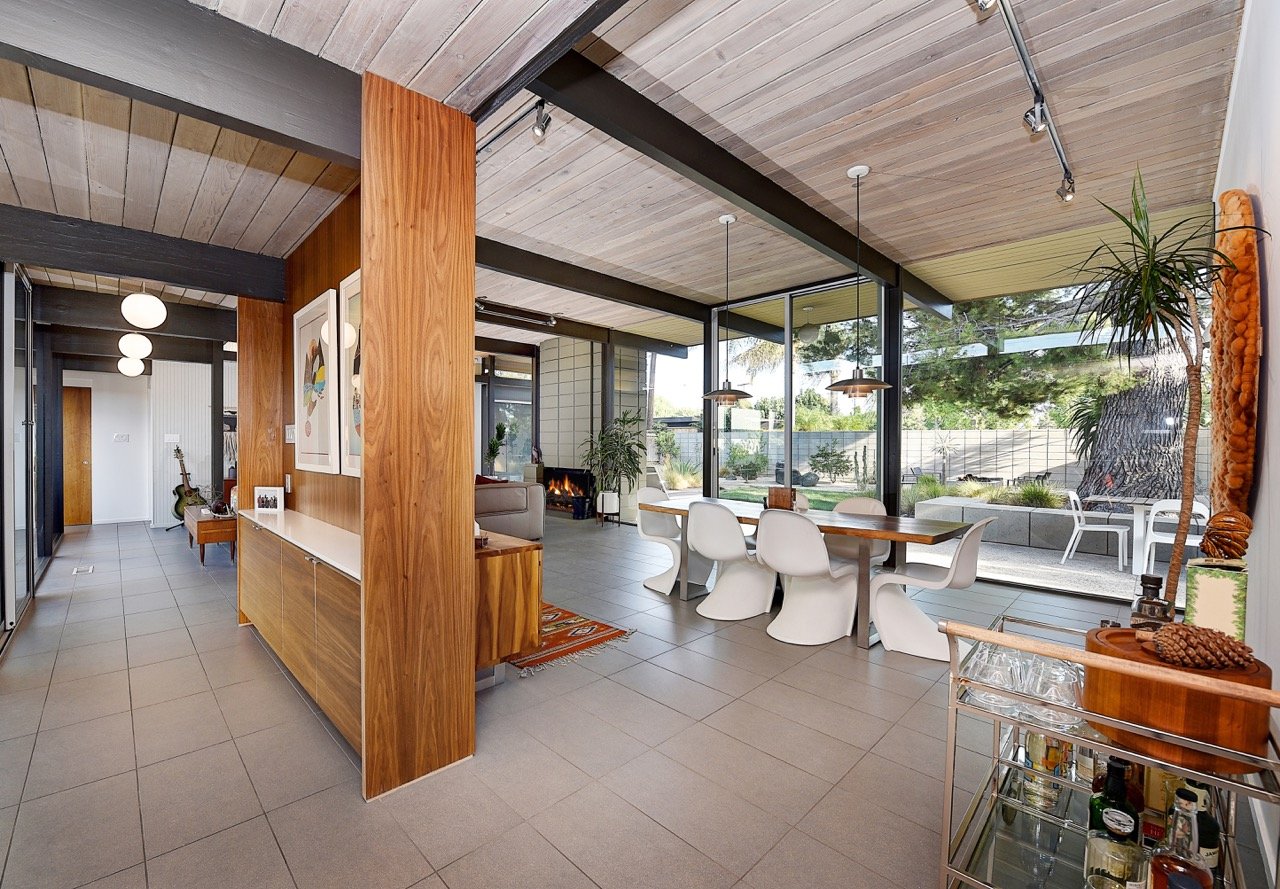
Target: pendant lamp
[[726, 394], [808, 332], [859, 384], [143, 310]]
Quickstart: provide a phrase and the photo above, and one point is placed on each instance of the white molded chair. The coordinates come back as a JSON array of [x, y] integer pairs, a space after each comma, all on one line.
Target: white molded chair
[[900, 622], [1167, 510], [819, 600], [799, 504], [1082, 525], [846, 548], [663, 528], [744, 586]]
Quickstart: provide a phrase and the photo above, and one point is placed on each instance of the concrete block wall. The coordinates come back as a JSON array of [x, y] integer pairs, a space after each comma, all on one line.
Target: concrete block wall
[[568, 399]]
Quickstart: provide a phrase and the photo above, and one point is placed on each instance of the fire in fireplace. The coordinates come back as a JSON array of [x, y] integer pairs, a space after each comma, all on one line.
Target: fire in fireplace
[[569, 490]]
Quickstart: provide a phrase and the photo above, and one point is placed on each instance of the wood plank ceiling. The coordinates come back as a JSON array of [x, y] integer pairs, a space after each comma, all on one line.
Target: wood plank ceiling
[[928, 92]]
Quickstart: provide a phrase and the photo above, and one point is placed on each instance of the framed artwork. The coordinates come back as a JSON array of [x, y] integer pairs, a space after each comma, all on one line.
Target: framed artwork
[[349, 393], [315, 404], [268, 499]]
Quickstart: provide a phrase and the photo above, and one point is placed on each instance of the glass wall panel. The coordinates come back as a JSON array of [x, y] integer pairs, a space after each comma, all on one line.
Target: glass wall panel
[[674, 415]]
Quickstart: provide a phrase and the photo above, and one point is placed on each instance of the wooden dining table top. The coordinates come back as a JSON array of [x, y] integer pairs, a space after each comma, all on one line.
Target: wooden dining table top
[[894, 528]]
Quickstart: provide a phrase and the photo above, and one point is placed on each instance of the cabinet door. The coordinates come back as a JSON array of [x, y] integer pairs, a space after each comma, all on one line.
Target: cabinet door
[[338, 651], [508, 605], [298, 629], [260, 572]]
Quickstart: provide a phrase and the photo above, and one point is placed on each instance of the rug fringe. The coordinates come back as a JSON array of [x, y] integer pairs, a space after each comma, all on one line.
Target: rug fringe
[[526, 672]]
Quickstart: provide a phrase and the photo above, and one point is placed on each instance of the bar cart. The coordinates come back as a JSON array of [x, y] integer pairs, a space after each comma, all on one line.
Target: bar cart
[[1010, 839]]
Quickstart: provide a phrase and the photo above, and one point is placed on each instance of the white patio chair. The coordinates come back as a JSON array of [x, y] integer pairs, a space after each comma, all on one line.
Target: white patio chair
[[744, 586], [663, 528], [1167, 510], [1082, 525], [819, 600], [846, 548], [902, 625]]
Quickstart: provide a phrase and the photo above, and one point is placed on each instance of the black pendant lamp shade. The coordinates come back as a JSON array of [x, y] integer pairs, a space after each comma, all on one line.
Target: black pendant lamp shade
[[859, 383], [726, 394]]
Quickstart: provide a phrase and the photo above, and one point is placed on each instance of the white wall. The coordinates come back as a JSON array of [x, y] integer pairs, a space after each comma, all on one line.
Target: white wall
[[121, 469], [180, 399], [1251, 160]]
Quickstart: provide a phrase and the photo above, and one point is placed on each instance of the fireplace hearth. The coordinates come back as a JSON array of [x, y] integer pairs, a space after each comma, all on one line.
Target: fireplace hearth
[[569, 490]]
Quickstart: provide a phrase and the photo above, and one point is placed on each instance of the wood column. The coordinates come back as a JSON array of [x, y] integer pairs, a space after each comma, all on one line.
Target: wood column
[[216, 401], [417, 213], [260, 358]]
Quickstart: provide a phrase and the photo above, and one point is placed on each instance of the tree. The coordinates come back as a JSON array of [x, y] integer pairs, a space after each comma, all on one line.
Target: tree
[[831, 461]]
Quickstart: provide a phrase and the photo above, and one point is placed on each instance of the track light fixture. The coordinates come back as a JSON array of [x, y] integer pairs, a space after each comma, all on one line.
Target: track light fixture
[[514, 313], [541, 119], [1035, 118], [985, 5], [1067, 190]]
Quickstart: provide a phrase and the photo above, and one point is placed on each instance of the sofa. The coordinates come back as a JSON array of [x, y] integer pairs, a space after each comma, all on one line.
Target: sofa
[[515, 508]]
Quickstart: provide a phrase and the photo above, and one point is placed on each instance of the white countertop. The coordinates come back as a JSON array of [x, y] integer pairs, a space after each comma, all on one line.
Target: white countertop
[[326, 542]]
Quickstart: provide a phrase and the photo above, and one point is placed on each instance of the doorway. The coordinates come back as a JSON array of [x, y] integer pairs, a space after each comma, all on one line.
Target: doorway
[[77, 455]]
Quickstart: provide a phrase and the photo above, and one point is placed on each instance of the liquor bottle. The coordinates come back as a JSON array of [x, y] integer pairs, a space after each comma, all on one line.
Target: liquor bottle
[[1207, 828], [1111, 810], [1177, 864]]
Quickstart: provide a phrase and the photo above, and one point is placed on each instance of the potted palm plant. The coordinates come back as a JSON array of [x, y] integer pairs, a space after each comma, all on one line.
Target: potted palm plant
[[613, 455], [1144, 293]]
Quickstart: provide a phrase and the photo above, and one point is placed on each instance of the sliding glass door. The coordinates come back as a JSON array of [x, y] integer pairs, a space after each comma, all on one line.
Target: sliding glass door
[[18, 465]]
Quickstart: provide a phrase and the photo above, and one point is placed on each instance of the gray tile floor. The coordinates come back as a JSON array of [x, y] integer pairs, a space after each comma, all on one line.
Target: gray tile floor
[[146, 740]]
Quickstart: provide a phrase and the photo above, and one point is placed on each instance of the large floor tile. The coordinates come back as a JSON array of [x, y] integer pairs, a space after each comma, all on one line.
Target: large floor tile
[[175, 727], [524, 772], [640, 717], [15, 762], [20, 713], [157, 621], [805, 748], [290, 761], [194, 795], [519, 859], [796, 705], [76, 836], [898, 849], [257, 704], [708, 671], [91, 631], [79, 754], [245, 660], [90, 660], [26, 672], [153, 648], [582, 738], [242, 857], [83, 699], [680, 693], [800, 860], [334, 838], [167, 680]]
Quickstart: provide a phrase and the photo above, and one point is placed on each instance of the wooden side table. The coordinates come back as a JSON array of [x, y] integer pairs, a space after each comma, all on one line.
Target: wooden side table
[[205, 527], [508, 599]]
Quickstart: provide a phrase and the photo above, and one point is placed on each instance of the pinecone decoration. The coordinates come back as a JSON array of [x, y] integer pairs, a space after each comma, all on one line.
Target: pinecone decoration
[[1200, 647], [1227, 535]]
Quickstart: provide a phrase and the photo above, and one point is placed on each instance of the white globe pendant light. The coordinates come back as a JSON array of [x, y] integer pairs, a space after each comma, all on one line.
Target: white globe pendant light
[[131, 367], [135, 345], [143, 310]]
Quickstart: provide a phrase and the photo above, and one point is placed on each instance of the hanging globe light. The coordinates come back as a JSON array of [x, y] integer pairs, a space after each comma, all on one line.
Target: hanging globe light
[[135, 345], [143, 310], [131, 367]]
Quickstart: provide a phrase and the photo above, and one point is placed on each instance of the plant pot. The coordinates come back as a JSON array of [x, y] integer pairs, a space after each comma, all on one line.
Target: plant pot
[[581, 508], [607, 503], [1204, 716]]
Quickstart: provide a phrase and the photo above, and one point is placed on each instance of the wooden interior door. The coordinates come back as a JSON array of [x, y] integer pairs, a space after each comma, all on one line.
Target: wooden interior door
[[77, 455]]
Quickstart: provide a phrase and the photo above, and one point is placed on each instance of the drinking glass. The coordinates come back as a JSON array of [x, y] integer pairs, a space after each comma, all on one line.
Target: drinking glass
[[999, 667], [1057, 682], [1037, 848]]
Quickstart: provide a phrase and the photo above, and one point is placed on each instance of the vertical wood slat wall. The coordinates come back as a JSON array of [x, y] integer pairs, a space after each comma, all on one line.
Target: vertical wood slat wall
[[179, 406], [259, 419], [418, 247]]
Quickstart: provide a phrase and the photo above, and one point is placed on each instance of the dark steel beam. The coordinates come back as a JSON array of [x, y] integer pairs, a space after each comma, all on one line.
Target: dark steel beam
[[505, 347], [890, 424], [97, 364], [498, 257], [598, 98], [38, 238], [193, 61], [511, 316], [216, 455], [80, 308], [761, 330], [587, 21], [83, 342], [710, 418]]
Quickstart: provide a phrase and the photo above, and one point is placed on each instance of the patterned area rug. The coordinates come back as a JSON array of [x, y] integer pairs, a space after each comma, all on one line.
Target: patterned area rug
[[567, 636]]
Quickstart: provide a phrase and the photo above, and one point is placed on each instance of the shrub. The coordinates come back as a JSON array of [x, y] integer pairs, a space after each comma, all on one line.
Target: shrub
[[831, 461], [680, 475], [665, 442], [927, 487], [1040, 496]]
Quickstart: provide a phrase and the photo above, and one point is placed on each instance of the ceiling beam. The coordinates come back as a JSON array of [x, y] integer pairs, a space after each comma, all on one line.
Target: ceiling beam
[[106, 344], [79, 308], [179, 56], [498, 257], [506, 347], [596, 97], [522, 319], [596, 13], [61, 242], [86, 364]]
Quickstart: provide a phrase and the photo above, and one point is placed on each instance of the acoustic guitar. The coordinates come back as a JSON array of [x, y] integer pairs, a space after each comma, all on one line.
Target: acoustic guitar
[[185, 494]]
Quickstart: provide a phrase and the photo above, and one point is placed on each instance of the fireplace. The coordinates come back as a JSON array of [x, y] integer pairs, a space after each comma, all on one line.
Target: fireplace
[[569, 490]]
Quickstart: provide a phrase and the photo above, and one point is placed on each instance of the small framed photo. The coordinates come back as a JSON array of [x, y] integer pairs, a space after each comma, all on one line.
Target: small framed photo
[[315, 340], [268, 499], [349, 374]]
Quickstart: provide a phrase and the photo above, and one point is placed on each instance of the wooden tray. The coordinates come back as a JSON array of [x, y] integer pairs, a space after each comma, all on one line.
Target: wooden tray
[[1193, 713]]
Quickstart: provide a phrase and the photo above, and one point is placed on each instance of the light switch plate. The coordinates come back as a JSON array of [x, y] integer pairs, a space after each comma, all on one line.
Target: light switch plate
[[172, 438], [290, 434], [121, 437]]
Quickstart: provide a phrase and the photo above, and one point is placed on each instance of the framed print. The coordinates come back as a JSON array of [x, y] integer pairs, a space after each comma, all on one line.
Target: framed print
[[349, 394], [315, 405], [268, 499]]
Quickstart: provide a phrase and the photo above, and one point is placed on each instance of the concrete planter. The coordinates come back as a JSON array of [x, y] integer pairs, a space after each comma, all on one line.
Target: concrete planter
[[1025, 526]]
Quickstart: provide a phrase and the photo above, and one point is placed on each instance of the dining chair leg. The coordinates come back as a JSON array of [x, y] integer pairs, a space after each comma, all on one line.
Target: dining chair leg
[[1071, 546], [684, 565]]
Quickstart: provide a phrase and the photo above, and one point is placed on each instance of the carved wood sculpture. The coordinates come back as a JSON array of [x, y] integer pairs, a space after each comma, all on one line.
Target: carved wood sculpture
[[1235, 353]]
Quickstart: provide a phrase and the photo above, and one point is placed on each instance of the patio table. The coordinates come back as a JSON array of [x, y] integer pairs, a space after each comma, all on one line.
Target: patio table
[[1139, 505], [865, 529]]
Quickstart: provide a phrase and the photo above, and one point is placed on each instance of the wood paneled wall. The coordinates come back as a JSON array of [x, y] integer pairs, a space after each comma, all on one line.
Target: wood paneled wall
[[418, 243], [328, 255], [260, 403]]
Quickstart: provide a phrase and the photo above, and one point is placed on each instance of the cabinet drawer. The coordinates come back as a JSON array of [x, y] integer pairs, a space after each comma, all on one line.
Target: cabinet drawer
[[259, 573], [338, 647], [298, 626]]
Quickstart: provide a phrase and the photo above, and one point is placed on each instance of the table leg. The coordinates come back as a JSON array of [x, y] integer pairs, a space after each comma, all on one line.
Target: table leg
[[201, 553], [1138, 565], [684, 562], [863, 617], [233, 550], [190, 540]]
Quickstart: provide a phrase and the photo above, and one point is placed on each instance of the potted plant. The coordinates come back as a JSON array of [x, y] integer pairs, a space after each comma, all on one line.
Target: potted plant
[[1144, 294], [616, 453], [493, 449]]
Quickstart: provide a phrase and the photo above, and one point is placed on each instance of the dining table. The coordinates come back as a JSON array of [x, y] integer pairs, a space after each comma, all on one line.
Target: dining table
[[865, 530]]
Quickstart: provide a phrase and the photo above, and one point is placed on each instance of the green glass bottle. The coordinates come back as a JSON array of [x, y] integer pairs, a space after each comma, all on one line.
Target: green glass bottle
[[1110, 810]]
